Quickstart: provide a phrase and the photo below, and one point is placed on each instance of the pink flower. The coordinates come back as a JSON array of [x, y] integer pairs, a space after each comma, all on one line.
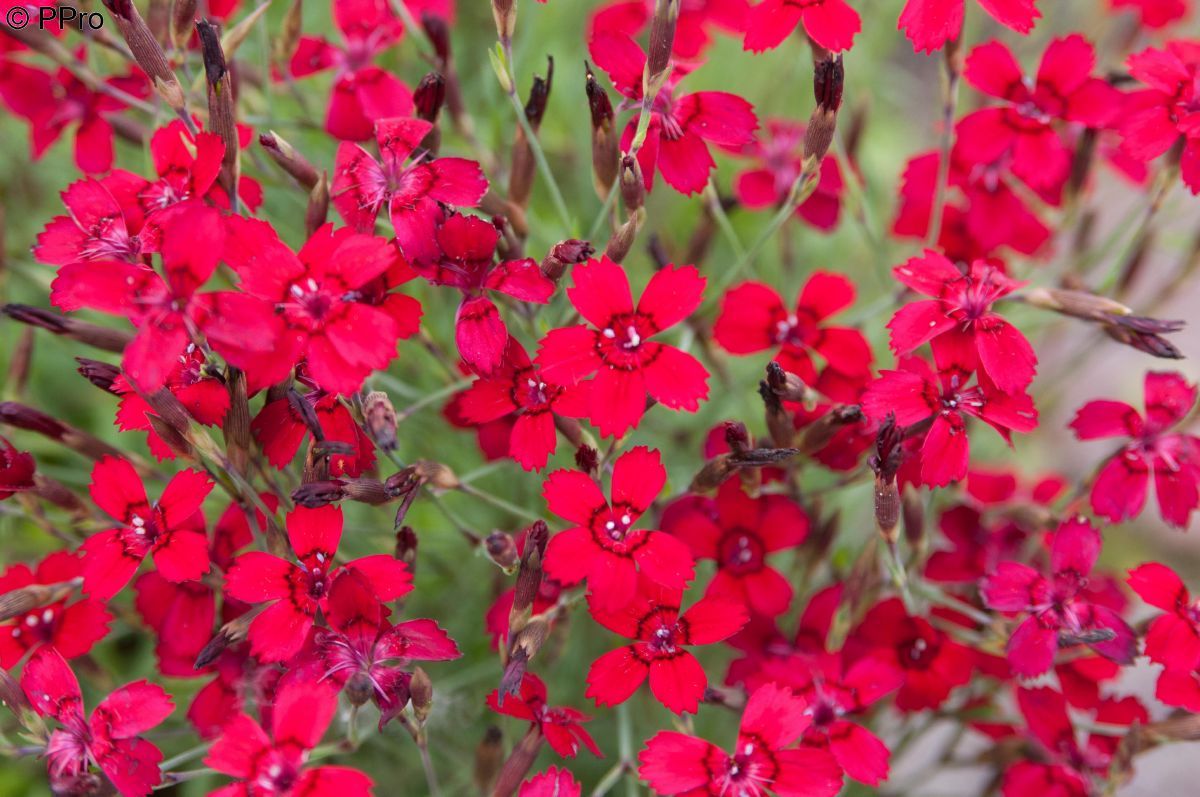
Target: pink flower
[[680, 128], [274, 765], [561, 726], [959, 323], [1120, 488], [70, 626], [1165, 113], [111, 738], [1173, 639], [778, 156], [1056, 611]]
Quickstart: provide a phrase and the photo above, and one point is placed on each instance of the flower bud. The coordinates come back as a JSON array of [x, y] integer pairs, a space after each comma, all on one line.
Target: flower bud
[[587, 459], [420, 690], [183, 18], [621, 241], [94, 335], [16, 470], [524, 166], [436, 475], [406, 547], [358, 688], [291, 161], [502, 550], [24, 417], [819, 433], [790, 387], [563, 254], [429, 96], [633, 186], [290, 30], [147, 52], [504, 12], [318, 205], [714, 473], [662, 42], [779, 420], [379, 417], [100, 374], [606, 150], [518, 764], [221, 117], [32, 596], [489, 757]]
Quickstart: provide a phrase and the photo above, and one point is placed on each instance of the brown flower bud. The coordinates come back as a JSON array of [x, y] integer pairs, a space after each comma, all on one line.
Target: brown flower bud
[[183, 18], [291, 161], [436, 475], [231, 633], [100, 374], [21, 416], [524, 165], [290, 30], [790, 387], [502, 550], [406, 547], [633, 186], [779, 420], [379, 416], [33, 596], [489, 757], [114, 340], [221, 117], [622, 240], [819, 433], [713, 474], [359, 688], [829, 75], [147, 52], [563, 254], [420, 690], [662, 42], [504, 12], [606, 149], [318, 205], [587, 459], [429, 96], [519, 762]]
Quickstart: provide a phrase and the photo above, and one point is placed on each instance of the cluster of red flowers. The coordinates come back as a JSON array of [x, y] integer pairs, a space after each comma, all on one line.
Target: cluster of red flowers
[[223, 318]]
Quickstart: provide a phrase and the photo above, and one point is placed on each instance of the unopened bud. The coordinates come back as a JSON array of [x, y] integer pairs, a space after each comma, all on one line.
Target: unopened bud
[[587, 459], [622, 240], [104, 338], [606, 150], [714, 473], [633, 186], [563, 254], [429, 96], [221, 116], [183, 18], [829, 77], [290, 30], [737, 437], [436, 475], [147, 52], [318, 205], [421, 693], [502, 550], [102, 375], [489, 757], [504, 12], [662, 42], [790, 387], [524, 165], [291, 161], [819, 433], [379, 416]]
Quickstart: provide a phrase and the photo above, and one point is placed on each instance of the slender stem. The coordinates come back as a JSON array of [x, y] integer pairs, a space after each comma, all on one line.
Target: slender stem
[[610, 779], [184, 757], [625, 746], [950, 81], [713, 197], [498, 502], [427, 765]]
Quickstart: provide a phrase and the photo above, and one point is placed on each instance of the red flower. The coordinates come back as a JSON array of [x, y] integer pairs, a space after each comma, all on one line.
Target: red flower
[[692, 29], [362, 652], [1056, 612], [958, 322], [1064, 90], [992, 215], [929, 24], [602, 546], [181, 616], [103, 222], [111, 738], [298, 589], [931, 662], [316, 296], [753, 318], [53, 102], [1119, 491], [461, 254], [362, 92], [832, 24], [280, 430], [779, 162], [739, 532], [1071, 766], [679, 127], [1173, 639], [16, 470], [660, 633], [167, 312], [977, 547], [412, 192], [187, 166], [171, 530], [554, 782], [628, 364], [763, 761], [915, 394], [205, 397], [1160, 116], [517, 386], [1154, 14], [71, 627], [273, 765], [561, 726]]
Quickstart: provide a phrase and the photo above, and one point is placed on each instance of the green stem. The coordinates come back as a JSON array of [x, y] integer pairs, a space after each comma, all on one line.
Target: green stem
[[625, 746], [498, 502], [184, 757], [949, 106], [713, 197]]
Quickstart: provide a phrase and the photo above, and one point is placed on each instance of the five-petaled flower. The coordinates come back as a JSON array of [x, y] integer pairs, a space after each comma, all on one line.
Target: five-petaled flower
[[661, 634], [1173, 457], [170, 531], [602, 546], [561, 726], [764, 759], [296, 590], [929, 24], [1165, 113], [832, 24], [111, 738], [628, 364], [1056, 611]]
